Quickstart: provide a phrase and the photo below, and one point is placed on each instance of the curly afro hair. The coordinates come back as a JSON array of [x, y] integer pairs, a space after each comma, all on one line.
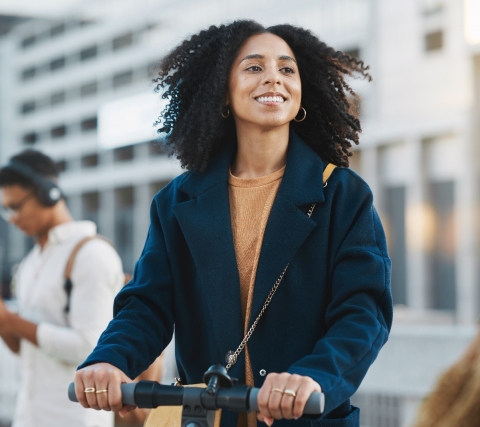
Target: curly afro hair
[[194, 76]]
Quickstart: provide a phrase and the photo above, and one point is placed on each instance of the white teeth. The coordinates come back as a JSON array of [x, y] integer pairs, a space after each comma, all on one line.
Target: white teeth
[[270, 99]]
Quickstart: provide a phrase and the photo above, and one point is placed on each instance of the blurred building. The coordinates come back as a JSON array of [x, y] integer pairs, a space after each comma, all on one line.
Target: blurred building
[[80, 89]]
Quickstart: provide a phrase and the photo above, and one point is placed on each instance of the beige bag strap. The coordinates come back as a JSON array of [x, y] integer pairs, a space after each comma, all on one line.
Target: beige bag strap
[[327, 172], [68, 286], [78, 246]]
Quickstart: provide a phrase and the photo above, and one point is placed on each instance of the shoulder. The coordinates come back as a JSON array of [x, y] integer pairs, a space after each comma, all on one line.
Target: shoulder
[[169, 196], [346, 184], [344, 176], [171, 191], [98, 251]]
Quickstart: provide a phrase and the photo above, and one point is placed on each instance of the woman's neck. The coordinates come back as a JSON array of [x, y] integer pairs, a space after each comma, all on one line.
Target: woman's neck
[[260, 153]]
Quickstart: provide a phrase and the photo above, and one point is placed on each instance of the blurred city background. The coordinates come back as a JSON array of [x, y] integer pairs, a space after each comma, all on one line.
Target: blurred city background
[[75, 82]]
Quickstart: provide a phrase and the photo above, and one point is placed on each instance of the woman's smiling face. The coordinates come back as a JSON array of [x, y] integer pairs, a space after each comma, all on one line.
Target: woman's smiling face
[[264, 87]]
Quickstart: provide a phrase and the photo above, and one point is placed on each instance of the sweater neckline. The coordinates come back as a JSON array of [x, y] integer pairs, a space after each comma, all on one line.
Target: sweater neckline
[[235, 181]]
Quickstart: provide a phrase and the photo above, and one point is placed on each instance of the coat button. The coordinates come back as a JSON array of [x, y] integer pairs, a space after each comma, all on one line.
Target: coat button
[[263, 372]]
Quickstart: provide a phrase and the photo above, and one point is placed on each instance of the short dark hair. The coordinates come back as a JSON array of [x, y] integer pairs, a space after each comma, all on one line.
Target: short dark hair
[[39, 162], [194, 75]]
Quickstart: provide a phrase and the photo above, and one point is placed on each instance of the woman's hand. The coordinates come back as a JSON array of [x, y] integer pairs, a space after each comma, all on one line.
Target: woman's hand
[[284, 396], [98, 386]]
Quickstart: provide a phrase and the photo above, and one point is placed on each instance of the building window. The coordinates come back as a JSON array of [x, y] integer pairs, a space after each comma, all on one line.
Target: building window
[[90, 161], [395, 203], [88, 53], [61, 166], [442, 256], [90, 206], [156, 148], [88, 89], [28, 41], [28, 73], [28, 107], [89, 124], [122, 41], [58, 29], [122, 79], [58, 131], [57, 98], [91, 202], [124, 199], [57, 64], [30, 138], [434, 41], [123, 154]]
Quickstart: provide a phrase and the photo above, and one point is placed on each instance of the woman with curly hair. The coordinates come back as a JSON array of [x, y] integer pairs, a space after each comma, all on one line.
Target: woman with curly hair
[[259, 117]]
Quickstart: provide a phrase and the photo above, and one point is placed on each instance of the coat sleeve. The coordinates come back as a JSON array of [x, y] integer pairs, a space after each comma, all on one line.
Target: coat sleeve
[[143, 316], [359, 313]]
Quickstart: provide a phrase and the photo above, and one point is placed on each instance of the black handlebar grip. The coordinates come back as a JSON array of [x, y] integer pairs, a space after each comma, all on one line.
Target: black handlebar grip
[[128, 393], [315, 404]]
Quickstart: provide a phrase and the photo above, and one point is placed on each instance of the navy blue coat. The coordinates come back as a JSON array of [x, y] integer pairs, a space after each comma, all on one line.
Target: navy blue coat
[[329, 317]]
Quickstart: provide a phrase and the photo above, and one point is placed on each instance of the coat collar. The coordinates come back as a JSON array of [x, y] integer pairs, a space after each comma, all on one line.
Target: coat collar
[[301, 182], [206, 224]]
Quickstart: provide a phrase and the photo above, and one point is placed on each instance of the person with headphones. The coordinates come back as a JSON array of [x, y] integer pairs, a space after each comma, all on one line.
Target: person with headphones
[[55, 328]]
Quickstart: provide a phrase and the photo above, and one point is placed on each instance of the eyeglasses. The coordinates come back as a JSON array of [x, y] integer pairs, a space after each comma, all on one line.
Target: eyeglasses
[[7, 212]]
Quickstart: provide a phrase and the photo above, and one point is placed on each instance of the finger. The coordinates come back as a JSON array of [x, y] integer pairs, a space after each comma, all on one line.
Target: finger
[[89, 390], [289, 395], [267, 420], [264, 396], [125, 410], [303, 394], [79, 389], [277, 394], [115, 392], [101, 390]]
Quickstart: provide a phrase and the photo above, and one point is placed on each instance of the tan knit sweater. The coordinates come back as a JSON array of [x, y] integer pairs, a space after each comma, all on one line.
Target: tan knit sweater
[[251, 200]]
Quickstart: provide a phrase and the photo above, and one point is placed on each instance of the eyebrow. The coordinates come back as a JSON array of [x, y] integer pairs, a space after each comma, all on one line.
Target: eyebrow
[[258, 56]]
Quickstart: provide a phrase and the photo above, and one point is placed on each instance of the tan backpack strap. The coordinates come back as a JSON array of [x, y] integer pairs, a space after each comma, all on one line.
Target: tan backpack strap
[[78, 246], [327, 172]]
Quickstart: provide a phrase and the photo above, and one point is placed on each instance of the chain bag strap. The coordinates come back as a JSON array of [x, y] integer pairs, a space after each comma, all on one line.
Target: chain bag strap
[[232, 356]]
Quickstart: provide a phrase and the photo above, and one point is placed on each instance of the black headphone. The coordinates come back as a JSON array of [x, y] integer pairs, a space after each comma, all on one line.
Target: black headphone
[[48, 192]]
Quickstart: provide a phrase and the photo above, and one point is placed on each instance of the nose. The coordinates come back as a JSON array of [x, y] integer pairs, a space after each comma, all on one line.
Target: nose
[[272, 76]]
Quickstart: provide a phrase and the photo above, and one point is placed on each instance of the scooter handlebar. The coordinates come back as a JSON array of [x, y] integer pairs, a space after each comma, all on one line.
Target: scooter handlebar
[[315, 404]]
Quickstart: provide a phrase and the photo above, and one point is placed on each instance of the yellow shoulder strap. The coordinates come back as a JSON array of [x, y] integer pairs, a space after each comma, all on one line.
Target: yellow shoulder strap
[[327, 172]]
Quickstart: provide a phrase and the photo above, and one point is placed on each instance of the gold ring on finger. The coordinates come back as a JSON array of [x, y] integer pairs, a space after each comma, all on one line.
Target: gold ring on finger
[[290, 392], [278, 389], [89, 390], [101, 391]]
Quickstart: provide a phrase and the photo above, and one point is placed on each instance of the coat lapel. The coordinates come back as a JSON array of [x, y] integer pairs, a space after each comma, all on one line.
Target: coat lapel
[[288, 225], [206, 225]]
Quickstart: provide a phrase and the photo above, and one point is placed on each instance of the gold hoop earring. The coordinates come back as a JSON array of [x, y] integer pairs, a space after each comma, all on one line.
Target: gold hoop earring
[[304, 115], [227, 115]]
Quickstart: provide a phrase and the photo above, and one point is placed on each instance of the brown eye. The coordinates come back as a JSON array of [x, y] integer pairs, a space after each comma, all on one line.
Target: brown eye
[[287, 70], [254, 68]]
